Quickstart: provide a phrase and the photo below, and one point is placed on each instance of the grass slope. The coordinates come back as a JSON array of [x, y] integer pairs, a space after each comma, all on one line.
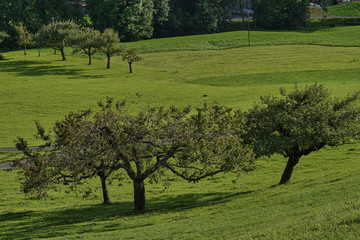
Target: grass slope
[[349, 9], [321, 202], [175, 72]]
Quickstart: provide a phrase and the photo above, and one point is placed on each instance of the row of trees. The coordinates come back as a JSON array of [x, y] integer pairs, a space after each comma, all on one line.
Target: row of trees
[[132, 19], [34, 14], [86, 40], [113, 144], [141, 19]]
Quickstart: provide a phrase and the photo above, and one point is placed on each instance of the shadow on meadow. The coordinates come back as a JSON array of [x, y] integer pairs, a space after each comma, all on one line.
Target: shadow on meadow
[[115, 216], [36, 68]]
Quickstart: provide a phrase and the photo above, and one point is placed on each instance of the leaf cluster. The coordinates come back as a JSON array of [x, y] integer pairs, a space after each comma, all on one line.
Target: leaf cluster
[[302, 121]]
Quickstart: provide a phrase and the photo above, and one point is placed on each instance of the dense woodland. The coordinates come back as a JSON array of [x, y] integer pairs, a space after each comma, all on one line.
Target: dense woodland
[[140, 19]]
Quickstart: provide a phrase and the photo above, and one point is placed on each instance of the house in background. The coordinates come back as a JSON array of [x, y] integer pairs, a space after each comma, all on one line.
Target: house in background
[[79, 4]]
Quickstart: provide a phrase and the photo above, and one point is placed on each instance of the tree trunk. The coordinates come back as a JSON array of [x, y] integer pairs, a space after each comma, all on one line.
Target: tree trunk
[[293, 160], [24, 49], [104, 189], [130, 69], [89, 59], [108, 62], [139, 194], [63, 54], [39, 52]]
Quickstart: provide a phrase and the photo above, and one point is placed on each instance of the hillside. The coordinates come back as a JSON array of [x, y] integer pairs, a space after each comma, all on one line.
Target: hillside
[[320, 202]]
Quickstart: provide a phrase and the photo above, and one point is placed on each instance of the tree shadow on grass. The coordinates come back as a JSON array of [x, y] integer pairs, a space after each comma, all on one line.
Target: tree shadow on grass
[[114, 216], [36, 68]]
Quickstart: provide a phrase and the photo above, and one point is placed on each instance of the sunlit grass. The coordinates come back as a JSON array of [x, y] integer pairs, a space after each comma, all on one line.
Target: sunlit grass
[[321, 201]]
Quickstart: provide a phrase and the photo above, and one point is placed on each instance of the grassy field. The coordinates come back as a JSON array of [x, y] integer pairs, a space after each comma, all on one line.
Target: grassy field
[[349, 9], [175, 71], [321, 202]]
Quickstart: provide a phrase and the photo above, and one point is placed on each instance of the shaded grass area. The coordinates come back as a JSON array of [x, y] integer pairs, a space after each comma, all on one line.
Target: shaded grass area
[[320, 202]]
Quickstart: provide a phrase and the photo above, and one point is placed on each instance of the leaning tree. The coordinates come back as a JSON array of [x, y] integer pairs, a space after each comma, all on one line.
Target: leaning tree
[[144, 146], [301, 122]]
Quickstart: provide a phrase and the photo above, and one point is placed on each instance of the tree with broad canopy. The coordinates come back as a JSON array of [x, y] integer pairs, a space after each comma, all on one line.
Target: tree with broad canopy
[[58, 35], [301, 122], [109, 44], [87, 41], [147, 145]]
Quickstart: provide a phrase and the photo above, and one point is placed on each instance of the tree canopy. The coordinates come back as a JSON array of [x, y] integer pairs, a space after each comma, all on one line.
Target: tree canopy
[[281, 14], [131, 19], [109, 44], [301, 122], [144, 146], [87, 41], [57, 35]]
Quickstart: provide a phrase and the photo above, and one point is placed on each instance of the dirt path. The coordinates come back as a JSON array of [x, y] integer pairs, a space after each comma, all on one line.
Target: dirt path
[[6, 166]]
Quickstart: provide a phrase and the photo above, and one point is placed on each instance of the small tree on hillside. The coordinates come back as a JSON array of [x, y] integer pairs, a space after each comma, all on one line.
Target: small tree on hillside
[[131, 55], [87, 41], [24, 36], [301, 122], [110, 44], [143, 146], [58, 35]]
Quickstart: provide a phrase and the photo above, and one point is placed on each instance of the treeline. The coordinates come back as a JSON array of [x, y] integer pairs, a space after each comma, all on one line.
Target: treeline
[[132, 19], [85, 40]]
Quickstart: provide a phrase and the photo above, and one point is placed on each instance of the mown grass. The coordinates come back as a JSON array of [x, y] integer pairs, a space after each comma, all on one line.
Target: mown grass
[[321, 202], [175, 72], [349, 9]]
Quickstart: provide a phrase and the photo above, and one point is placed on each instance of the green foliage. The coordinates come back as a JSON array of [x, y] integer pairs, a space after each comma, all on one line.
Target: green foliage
[[87, 41], [188, 17], [57, 35], [23, 35], [161, 16], [34, 14], [109, 44], [332, 22], [3, 35], [301, 122], [322, 201], [45, 89], [281, 14], [132, 19], [131, 55], [143, 145]]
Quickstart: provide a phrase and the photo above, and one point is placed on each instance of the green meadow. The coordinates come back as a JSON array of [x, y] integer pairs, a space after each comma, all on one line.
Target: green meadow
[[322, 200], [349, 9]]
